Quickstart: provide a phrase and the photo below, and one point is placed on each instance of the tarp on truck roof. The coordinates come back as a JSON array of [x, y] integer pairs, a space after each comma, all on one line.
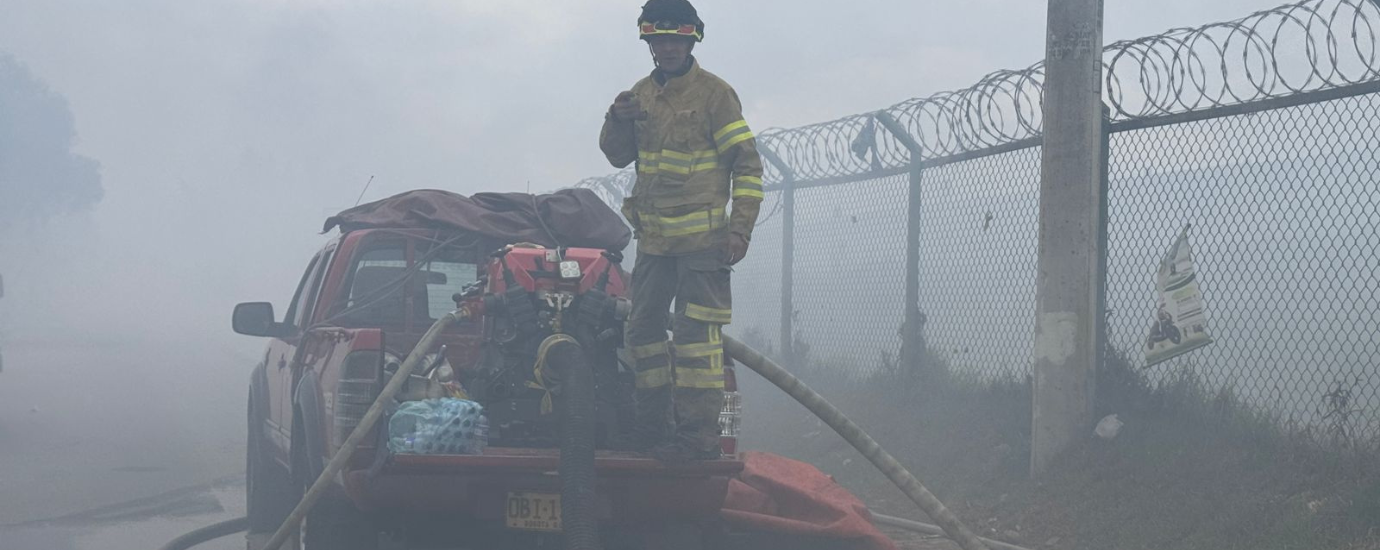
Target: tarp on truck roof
[[568, 217]]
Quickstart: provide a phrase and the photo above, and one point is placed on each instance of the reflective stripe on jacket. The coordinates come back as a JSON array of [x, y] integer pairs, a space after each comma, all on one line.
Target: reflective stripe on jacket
[[695, 153]]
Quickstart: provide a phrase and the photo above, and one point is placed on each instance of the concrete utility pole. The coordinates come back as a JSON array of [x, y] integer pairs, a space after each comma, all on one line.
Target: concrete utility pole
[[1066, 329]]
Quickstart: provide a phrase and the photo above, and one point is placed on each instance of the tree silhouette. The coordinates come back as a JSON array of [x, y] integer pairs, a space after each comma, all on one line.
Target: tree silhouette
[[40, 175]]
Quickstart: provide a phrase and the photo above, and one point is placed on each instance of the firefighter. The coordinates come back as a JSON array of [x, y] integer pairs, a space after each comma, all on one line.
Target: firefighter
[[695, 154]]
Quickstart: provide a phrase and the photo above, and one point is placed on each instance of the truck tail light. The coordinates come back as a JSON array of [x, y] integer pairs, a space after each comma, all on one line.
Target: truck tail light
[[355, 391], [730, 417]]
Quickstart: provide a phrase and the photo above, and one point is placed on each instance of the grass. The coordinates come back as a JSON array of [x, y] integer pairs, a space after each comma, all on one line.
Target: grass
[[1193, 468]]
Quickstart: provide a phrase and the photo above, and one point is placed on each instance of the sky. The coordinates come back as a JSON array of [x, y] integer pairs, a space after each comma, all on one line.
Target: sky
[[226, 131]]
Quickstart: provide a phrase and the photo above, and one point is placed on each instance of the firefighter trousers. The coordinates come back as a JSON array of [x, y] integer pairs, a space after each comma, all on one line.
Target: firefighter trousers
[[680, 386]]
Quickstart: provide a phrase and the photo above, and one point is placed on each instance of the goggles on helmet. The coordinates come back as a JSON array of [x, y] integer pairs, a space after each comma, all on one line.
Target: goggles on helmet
[[647, 28]]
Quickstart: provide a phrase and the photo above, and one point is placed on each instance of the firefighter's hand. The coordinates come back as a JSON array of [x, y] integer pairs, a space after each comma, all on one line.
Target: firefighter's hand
[[626, 108], [737, 248]]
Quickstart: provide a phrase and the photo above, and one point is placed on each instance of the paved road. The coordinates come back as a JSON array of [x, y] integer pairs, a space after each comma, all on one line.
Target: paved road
[[143, 525], [150, 523], [85, 425]]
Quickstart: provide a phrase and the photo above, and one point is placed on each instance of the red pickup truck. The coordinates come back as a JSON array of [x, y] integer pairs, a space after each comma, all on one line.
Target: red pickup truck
[[362, 303]]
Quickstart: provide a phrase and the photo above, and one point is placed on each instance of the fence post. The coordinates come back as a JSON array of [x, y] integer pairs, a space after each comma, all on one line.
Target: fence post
[[1066, 326], [1100, 280], [787, 252], [912, 327]]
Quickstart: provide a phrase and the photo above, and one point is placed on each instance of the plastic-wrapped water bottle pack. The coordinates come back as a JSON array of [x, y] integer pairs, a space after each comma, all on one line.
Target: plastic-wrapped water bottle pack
[[438, 427]]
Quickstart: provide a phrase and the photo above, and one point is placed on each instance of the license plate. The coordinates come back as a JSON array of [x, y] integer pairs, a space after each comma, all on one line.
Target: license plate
[[534, 511]]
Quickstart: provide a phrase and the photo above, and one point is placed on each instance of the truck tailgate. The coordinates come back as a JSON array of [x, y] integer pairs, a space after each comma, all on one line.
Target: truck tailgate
[[630, 487]]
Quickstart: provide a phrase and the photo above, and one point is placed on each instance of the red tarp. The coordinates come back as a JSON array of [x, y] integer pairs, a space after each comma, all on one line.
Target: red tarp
[[780, 495]]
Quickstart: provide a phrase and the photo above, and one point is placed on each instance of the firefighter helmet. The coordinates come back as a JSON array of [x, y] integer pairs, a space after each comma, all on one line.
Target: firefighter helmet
[[674, 17]]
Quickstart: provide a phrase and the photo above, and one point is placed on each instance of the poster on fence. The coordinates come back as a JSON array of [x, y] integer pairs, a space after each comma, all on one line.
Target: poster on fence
[[1179, 324]]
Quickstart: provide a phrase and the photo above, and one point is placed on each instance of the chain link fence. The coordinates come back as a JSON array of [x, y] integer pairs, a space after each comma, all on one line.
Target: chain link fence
[[909, 235], [1283, 210]]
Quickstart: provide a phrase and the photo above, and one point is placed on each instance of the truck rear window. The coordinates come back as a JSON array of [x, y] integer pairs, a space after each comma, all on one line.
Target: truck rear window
[[379, 285]]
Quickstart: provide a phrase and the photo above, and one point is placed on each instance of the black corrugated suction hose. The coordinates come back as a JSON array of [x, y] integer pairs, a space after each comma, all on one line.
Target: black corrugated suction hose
[[579, 519]]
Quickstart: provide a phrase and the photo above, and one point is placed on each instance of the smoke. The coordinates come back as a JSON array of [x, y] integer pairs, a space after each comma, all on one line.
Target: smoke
[[40, 175]]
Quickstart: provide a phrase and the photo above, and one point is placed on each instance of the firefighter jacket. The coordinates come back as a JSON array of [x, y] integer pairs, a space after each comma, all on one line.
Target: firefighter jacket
[[694, 153]]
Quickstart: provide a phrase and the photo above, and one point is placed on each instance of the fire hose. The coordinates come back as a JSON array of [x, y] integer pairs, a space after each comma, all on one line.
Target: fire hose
[[207, 533], [949, 524], [859, 439]]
